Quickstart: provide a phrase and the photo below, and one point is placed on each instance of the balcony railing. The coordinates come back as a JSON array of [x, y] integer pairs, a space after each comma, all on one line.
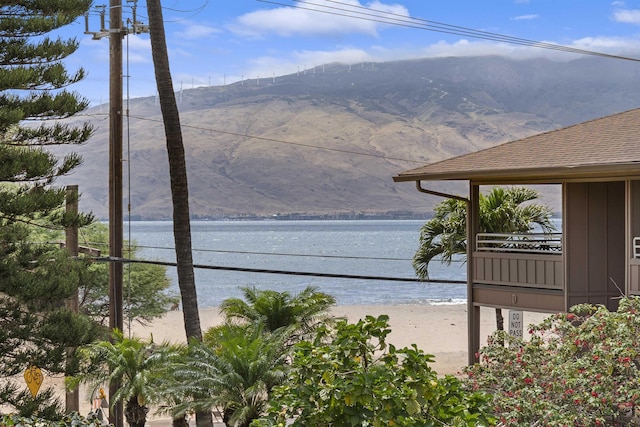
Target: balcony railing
[[540, 243], [636, 247]]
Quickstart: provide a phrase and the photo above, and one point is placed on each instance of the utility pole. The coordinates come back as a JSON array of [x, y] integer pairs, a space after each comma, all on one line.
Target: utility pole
[[116, 33], [72, 398], [116, 234]]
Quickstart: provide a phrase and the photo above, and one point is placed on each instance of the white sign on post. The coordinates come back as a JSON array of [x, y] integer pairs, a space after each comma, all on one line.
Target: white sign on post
[[516, 323]]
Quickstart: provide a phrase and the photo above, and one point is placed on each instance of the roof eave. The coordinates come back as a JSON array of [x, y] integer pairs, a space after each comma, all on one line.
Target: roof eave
[[538, 175]]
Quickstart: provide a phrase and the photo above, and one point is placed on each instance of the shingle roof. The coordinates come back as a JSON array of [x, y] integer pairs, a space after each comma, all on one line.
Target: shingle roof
[[604, 147]]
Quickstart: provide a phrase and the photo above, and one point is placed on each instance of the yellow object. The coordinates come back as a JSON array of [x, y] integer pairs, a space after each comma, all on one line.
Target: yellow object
[[33, 377]]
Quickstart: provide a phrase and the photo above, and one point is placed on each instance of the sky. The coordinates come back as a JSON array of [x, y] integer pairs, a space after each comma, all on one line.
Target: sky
[[218, 42]]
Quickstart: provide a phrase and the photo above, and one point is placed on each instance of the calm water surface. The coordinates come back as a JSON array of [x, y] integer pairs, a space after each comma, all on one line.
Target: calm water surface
[[369, 248]]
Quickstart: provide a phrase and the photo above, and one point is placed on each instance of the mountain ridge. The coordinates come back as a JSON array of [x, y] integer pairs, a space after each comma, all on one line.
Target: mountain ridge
[[328, 143]]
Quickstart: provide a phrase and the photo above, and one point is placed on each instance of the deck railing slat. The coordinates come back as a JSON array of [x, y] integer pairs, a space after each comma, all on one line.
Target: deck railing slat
[[544, 243]]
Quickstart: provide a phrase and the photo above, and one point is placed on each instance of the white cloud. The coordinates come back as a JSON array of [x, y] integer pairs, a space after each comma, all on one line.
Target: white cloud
[[139, 49], [196, 31], [476, 48], [628, 16], [304, 61], [525, 17], [345, 56], [265, 67], [611, 45], [291, 21]]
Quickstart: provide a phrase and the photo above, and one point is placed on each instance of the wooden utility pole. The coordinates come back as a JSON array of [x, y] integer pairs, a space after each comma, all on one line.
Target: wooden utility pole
[[115, 187], [116, 33], [115, 164], [72, 398]]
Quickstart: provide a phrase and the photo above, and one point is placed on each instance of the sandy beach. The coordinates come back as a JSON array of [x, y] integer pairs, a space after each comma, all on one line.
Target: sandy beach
[[440, 330]]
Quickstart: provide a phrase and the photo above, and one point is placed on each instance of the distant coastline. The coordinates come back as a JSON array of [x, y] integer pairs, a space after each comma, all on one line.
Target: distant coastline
[[399, 215], [390, 216]]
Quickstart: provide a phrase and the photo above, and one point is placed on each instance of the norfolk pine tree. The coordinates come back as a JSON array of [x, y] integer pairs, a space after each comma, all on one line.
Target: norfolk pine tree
[[35, 280]]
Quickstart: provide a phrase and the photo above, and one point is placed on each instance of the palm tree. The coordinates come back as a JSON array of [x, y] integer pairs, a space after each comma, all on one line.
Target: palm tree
[[172, 394], [177, 171], [502, 210], [134, 362], [179, 183], [235, 370], [300, 314]]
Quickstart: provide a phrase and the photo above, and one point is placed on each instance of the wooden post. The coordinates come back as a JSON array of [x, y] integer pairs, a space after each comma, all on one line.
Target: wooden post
[[115, 187], [473, 312], [72, 398]]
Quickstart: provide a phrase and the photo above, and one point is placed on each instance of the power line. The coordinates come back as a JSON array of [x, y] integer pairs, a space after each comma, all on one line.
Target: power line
[[365, 258], [282, 254], [99, 10], [283, 272], [194, 10], [299, 144], [385, 17], [279, 141]]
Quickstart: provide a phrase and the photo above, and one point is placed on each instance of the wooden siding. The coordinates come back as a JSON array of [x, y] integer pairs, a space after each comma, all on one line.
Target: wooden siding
[[519, 298], [633, 285], [518, 269], [595, 242], [634, 276]]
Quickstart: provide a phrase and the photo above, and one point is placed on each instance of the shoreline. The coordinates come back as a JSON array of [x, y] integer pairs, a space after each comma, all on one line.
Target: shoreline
[[439, 330]]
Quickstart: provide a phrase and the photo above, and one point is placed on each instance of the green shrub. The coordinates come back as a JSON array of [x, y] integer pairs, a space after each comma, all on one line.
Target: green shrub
[[72, 420], [351, 377]]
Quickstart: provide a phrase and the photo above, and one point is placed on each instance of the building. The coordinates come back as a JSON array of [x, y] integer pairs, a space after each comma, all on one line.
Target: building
[[594, 259]]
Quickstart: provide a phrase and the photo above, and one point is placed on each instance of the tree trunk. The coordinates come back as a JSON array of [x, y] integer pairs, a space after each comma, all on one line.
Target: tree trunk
[[499, 320], [135, 414], [178, 175], [180, 421]]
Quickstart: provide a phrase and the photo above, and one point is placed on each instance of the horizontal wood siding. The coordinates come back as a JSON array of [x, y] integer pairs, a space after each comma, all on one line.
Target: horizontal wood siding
[[517, 269], [519, 298]]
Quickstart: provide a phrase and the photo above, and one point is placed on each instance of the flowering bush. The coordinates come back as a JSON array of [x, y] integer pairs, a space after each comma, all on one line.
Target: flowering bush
[[580, 368]]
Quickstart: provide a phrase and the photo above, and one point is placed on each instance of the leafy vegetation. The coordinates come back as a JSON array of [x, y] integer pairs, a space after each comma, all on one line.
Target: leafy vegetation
[[37, 280], [580, 368], [241, 361], [132, 362], [71, 420], [145, 285], [274, 311], [234, 373], [342, 374], [351, 377]]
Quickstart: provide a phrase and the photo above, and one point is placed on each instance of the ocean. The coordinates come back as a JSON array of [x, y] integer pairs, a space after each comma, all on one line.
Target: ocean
[[371, 248]]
